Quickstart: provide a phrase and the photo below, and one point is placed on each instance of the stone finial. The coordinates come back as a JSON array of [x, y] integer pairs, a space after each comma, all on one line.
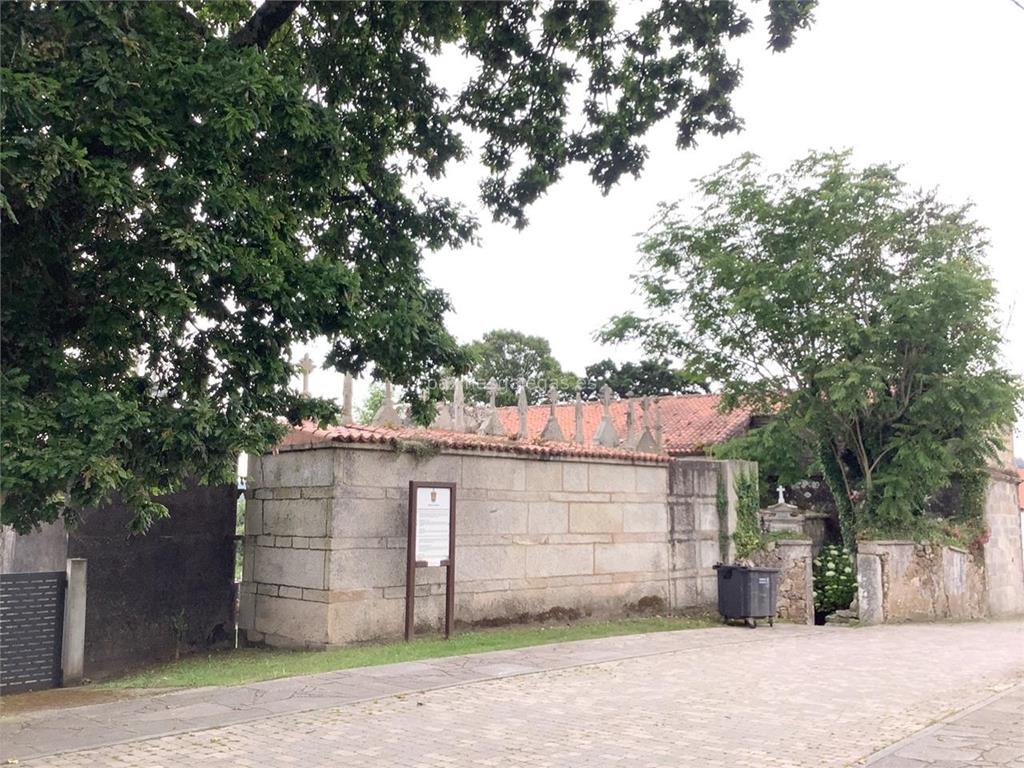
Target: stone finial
[[524, 409], [492, 424], [552, 431], [782, 494], [645, 440], [606, 434], [346, 400], [387, 415], [306, 365], [578, 436], [459, 407]]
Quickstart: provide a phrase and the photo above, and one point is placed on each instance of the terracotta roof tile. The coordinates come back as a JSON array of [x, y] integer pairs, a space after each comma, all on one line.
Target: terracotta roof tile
[[308, 434], [690, 423]]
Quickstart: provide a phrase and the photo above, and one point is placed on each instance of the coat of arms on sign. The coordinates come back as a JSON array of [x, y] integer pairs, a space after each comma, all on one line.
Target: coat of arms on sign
[[433, 496]]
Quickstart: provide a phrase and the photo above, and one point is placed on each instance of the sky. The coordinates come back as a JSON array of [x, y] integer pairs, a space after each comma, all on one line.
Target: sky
[[936, 86]]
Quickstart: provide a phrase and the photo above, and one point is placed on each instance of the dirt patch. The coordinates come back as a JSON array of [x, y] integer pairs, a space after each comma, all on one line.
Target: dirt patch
[[555, 614], [15, 704]]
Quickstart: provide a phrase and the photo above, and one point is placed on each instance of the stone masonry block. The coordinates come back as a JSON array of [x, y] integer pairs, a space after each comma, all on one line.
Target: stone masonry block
[[298, 468], [391, 470], [869, 589], [705, 515], [494, 473], [595, 518], [491, 517], [253, 517], [300, 621], [559, 560], [652, 480], [574, 476], [710, 552], [644, 518], [548, 517], [618, 478], [630, 558], [293, 567], [694, 477], [366, 568], [369, 517], [543, 476], [490, 562], [295, 517]]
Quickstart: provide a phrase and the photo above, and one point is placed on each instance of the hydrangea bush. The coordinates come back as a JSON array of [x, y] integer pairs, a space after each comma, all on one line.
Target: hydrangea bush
[[835, 583]]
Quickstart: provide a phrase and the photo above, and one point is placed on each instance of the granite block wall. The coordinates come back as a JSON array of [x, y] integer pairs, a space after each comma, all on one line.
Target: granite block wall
[[326, 537]]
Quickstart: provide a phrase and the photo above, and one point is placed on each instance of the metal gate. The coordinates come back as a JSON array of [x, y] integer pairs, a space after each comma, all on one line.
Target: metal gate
[[31, 630]]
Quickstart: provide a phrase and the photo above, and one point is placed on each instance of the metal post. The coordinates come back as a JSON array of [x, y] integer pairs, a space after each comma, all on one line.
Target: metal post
[[410, 564]]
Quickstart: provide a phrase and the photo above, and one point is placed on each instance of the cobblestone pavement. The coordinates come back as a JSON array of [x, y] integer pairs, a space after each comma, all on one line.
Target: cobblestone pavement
[[989, 735], [796, 697]]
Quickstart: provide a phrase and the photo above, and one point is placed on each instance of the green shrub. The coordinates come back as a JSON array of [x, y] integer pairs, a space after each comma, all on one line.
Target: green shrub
[[835, 583]]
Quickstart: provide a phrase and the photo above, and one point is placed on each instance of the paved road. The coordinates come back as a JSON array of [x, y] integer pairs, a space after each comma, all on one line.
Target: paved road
[[792, 696]]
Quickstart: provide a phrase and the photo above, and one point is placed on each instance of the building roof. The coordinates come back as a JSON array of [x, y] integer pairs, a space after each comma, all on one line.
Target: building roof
[[690, 423], [309, 434]]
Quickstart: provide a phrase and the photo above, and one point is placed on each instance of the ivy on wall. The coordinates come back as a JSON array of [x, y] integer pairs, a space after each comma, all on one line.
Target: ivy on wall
[[748, 536]]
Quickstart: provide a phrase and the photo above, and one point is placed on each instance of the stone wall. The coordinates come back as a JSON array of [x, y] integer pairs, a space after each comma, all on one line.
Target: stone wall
[[904, 581], [695, 526], [326, 538], [1004, 550], [793, 558]]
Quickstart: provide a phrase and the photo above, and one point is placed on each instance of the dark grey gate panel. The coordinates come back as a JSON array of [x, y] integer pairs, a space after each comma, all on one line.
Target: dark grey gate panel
[[31, 629]]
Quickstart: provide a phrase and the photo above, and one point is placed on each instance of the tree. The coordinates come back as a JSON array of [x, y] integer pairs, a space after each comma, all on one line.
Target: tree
[[651, 377], [509, 356], [858, 311], [190, 189]]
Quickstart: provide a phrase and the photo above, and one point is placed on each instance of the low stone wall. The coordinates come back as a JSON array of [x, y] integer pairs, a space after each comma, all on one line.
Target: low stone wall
[[904, 581], [326, 538], [793, 559]]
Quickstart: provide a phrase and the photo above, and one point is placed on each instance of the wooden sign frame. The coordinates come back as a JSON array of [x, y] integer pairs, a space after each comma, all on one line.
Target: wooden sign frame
[[412, 563]]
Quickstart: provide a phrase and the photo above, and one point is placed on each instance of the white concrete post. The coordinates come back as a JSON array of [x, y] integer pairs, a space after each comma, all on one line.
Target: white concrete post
[[73, 646]]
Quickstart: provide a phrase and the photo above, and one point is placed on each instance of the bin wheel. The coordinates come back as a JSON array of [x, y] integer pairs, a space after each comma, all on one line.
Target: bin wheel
[[752, 623], [771, 621]]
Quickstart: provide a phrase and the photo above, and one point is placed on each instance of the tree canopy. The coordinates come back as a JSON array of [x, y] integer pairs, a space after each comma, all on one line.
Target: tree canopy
[[652, 377], [509, 356], [191, 188], [857, 310]]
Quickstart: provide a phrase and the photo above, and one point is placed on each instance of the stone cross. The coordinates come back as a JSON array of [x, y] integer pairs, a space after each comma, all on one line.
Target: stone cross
[[524, 409], [459, 407], [346, 400], [306, 365], [658, 429], [578, 437], [492, 392], [606, 434], [630, 419], [492, 424], [552, 431], [782, 494]]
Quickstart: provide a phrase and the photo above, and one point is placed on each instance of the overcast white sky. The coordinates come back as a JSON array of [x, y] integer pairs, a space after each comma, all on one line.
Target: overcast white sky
[[934, 85]]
